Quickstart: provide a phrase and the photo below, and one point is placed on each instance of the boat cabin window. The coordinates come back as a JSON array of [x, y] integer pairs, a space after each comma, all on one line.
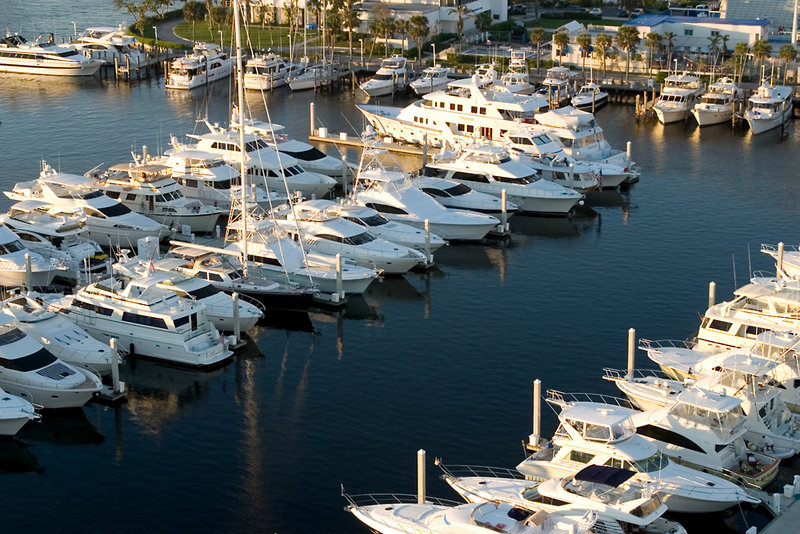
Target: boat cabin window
[[169, 196], [470, 177], [717, 324], [312, 154], [12, 335], [214, 277], [264, 260], [180, 321], [130, 196], [516, 179], [186, 182], [372, 220], [87, 195], [668, 436], [114, 210], [594, 432], [37, 360], [101, 310], [11, 246], [581, 457], [385, 208], [113, 194], [145, 320], [750, 331]]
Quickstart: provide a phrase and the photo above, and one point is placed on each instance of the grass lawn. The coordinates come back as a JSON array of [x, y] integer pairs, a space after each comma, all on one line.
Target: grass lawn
[[259, 37], [552, 24]]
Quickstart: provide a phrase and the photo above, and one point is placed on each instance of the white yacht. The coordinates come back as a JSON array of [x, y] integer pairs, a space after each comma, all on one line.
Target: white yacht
[[206, 64], [557, 86], [30, 371], [15, 412], [401, 514], [769, 107], [678, 96], [621, 505], [467, 109], [591, 433], [433, 79], [590, 97], [789, 259], [517, 78], [696, 427], [13, 269], [377, 224], [264, 72], [453, 194], [148, 188], [108, 222], [147, 321], [64, 339], [265, 165], [392, 76], [526, 145], [562, 170], [764, 304], [743, 375], [489, 169], [18, 56], [390, 191], [325, 232], [206, 177], [311, 158], [716, 105], [110, 44], [315, 76], [56, 236]]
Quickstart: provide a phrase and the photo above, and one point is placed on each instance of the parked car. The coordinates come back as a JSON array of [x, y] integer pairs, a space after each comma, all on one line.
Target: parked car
[[596, 11], [638, 11]]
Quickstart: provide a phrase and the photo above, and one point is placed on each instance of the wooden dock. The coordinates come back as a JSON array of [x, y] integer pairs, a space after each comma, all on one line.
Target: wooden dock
[[344, 139], [788, 517]]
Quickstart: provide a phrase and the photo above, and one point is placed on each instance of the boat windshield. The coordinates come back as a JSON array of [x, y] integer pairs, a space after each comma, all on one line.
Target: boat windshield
[[382, 77], [372, 220], [87, 195], [516, 179], [11, 247], [203, 292], [458, 190], [114, 210], [648, 465], [31, 362]]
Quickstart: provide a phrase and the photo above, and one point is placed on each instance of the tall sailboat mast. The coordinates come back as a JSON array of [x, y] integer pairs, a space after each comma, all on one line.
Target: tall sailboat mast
[[237, 30]]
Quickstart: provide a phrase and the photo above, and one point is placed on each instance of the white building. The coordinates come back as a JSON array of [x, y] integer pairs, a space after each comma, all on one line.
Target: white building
[[779, 13], [692, 34]]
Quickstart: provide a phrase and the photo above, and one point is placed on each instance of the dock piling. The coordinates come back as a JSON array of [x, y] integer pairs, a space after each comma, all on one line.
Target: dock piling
[[631, 352], [114, 366], [712, 291], [779, 260], [628, 155], [421, 476], [344, 174], [424, 149], [428, 256], [339, 292], [311, 116], [504, 210], [537, 413], [237, 329]]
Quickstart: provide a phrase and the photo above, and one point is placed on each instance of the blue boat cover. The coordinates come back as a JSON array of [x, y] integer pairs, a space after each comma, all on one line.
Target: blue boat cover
[[602, 474]]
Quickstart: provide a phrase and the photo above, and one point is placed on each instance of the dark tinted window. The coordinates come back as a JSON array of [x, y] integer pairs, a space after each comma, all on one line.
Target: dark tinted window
[[31, 362], [145, 320], [668, 436], [384, 208], [115, 210]]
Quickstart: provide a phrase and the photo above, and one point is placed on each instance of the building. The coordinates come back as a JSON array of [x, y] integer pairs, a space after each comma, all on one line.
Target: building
[[779, 13], [694, 34]]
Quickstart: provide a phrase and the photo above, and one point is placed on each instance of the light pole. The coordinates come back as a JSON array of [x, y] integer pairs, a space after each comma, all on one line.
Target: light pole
[[362, 52], [433, 45]]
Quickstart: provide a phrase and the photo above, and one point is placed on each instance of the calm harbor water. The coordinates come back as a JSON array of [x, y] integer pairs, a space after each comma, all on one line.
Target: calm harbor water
[[441, 361]]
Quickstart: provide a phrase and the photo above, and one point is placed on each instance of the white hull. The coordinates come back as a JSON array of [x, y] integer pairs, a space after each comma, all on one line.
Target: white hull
[[114, 237], [200, 223], [544, 206], [175, 82], [18, 278], [423, 89], [671, 115], [55, 398], [706, 117], [455, 232], [761, 125], [9, 427], [263, 83], [47, 69], [585, 102]]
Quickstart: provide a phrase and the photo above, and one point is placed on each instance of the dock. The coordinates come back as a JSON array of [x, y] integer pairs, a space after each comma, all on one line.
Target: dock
[[787, 510]]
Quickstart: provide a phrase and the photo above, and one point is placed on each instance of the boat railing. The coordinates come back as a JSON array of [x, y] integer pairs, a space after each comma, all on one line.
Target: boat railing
[[561, 398], [368, 499], [482, 471], [649, 344], [622, 374]]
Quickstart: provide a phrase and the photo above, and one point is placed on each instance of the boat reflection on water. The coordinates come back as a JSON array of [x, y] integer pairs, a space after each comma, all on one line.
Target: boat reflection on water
[[66, 427], [608, 198], [15, 457], [28, 89], [157, 392], [287, 320]]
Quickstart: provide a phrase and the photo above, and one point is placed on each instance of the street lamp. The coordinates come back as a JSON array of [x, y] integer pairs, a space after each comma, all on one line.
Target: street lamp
[[362, 52]]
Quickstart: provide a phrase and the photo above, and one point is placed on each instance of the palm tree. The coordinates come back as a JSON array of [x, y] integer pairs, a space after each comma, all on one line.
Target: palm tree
[[602, 42], [460, 11], [536, 37], [351, 20], [670, 38], [628, 39], [714, 49], [788, 53], [483, 21], [419, 30], [560, 42], [654, 41], [762, 49], [584, 40], [740, 52]]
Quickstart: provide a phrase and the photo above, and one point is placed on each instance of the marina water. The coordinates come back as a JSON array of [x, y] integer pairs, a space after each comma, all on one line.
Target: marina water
[[441, 361]]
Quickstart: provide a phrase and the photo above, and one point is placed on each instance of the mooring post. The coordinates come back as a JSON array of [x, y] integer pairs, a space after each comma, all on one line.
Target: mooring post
[[421, 476], [428, 256], [779, 260], [311, 116], [631, 351], [424, 149], [112, 343], [537, 412], [237, 329], [712, 293], [503, 210]]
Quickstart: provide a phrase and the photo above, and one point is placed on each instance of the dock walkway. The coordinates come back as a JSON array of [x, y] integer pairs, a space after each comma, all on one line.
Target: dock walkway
[[789, 516]]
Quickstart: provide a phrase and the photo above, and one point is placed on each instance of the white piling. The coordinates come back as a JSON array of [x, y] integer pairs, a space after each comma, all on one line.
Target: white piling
[[712, 293], [571, 172], [779, 261], [537, 412], [114, 365], [631, 351], [503, 210], [344, 174], [217, 231], [237, 329], [339, 276], [751, 530], [628, 155], [776, 503], [421, 476], [28, 273], [311, 117], [428, 241], [424, 149], [796, 483]]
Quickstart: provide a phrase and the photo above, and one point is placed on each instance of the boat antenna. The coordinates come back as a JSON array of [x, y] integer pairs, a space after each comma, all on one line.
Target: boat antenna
[[733, 261], [749, 261], [240, 97]]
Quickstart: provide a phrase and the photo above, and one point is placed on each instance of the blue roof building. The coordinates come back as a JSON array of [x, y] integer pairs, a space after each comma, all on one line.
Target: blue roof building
[[692, 34]]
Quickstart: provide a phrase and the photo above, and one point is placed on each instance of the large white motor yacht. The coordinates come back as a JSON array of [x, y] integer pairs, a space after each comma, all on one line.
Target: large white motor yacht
[[264, 72], [206, 177], [590, 97], [110, 44], [621, 505], [392, 76], [15, 412], [393, 193], [557, 86], [147, 321], [315, 76], [311, 158], [13, 269], [148, 188], [716, 105], [592, 433], [453, 194], [402, 514], [678, 96], [18, 56], [57, 236], [433, 79], [265, 165], [325, 232], [108, 222], [490, 169], [29, 370], [206, 64], [62, 337], [466, 109], [769, 107]]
